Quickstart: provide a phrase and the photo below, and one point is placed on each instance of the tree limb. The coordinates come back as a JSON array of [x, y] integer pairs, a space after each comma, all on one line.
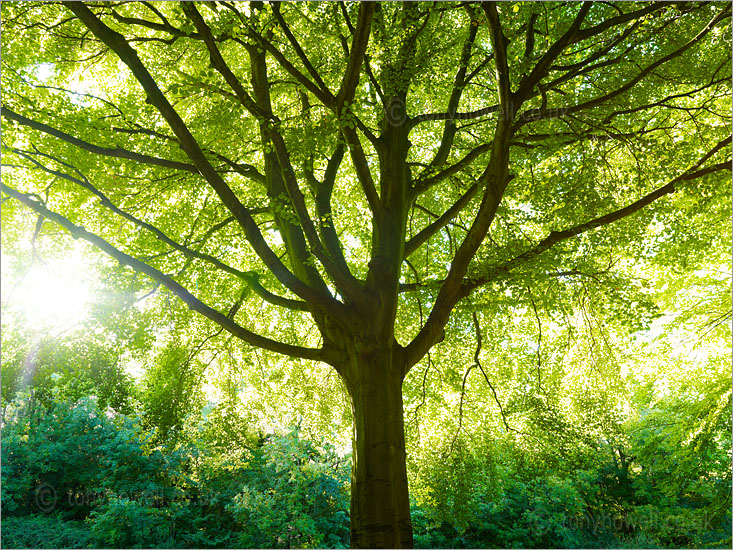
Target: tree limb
[[358, 48], [499, 43], [117, 43], [528, 83], [493, 183], [361, 167], [96, 149], [249, 277], [347, 284], [459, 83], [418, 240], [542, 114], [298, 50], [558, 236], [423, 185], [189, 299]]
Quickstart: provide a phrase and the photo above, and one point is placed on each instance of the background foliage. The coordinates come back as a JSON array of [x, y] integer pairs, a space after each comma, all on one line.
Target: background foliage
[[632, 457]]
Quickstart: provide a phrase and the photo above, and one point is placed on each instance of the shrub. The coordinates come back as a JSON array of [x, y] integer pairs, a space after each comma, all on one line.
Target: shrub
[[125, 523], [50, 531], [295, 496]]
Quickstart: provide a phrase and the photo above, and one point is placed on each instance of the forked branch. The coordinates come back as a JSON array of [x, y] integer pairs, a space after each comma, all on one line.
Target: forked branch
[[181, 292], [555, 237], [117, 43]]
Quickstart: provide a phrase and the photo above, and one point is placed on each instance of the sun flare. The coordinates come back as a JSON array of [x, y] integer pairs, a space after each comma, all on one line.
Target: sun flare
[[54, 293]]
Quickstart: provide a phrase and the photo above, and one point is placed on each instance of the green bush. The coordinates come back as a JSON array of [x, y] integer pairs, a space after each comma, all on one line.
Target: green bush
[[125, 523], [72, 457], [540, 513], [295, 496], [73, 462], [50, 531]]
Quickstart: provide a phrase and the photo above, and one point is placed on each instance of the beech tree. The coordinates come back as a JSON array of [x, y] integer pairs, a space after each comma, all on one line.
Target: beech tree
[[370, 169]]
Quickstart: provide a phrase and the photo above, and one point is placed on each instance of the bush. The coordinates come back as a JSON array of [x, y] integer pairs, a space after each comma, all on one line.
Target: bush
[[75, 462], [295, 496], [42, 457], [125, 523], [44, 532]]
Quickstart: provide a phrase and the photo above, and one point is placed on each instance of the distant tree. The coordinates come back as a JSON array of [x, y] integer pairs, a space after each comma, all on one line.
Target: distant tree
[[371, 169]]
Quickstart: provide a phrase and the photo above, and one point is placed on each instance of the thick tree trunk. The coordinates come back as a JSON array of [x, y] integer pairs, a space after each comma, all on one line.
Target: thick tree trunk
[[380, 505]]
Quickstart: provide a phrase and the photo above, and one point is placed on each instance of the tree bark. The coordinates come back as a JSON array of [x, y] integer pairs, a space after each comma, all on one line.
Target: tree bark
[[380, 504]]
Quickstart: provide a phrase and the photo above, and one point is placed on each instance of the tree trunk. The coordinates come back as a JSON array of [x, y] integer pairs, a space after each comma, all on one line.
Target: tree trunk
[[380, 504]]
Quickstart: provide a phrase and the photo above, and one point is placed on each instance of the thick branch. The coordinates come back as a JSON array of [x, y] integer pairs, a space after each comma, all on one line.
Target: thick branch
[[358, 47], [361, 167], [261, 107], [499, 43], [249, 277], [165, 26], [96, 149], [219, 64], [323, 94], [541, 114], [190, 146], [424, 185], [282, 168], [558, 236], [323, 191], [349, 82], [189, 299], [543, 65], [453, 116], [298, 50], [459, 83]]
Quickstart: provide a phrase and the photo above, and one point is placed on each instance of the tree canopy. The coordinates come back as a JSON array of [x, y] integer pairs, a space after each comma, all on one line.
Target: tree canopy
[[377, 186]]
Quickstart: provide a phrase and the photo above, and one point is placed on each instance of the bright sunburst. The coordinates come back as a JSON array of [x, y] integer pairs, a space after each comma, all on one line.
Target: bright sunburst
[[54, 293]]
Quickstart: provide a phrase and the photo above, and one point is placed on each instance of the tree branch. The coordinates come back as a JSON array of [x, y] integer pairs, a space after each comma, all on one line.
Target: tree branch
[[220, 65], [477, 330], [492, 182], [418, 240], [358, 48], [261, 107], [421, 186], [298, 50], [558, 236], [619, 20], [117, 43], [323, 191], [348, 285], [361, 166], [459, 83], [189, 299], [538, 72], [499, 43], [452, 116], [542, 114], [243, 169], [323, 94], [249, 277], [96, 149]]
